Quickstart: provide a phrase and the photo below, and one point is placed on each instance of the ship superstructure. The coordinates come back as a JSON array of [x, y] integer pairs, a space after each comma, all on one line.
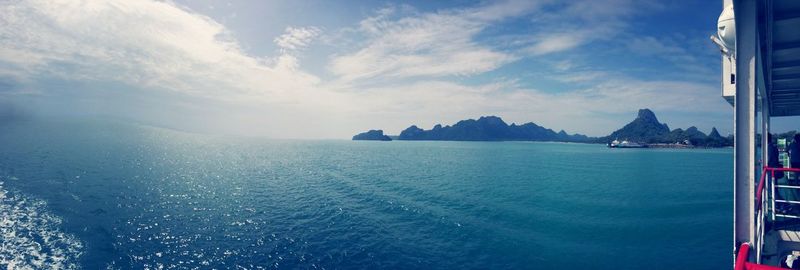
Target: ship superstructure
[[760, 45]]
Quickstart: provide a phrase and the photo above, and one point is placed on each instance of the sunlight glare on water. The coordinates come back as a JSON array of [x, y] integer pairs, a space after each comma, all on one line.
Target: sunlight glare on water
[[126, 196]]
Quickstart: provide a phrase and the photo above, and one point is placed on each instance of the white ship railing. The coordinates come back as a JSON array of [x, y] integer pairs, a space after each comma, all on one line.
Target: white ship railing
[[765, 203], [761, 203], [775, 188]]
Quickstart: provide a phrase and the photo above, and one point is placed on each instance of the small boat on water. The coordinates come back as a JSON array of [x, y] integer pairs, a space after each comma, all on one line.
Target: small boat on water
[[626, 144]]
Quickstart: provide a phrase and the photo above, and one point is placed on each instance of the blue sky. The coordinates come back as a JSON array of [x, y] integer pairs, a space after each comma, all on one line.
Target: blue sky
[[329, 69]]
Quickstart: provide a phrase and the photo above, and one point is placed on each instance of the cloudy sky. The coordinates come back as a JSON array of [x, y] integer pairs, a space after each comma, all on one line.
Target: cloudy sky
[[330, 69]]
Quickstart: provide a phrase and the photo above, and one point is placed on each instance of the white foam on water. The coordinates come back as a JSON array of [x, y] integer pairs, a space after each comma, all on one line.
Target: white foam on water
[[30, 237]]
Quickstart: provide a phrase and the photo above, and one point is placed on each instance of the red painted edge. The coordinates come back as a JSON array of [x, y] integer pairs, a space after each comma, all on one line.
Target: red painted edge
[[742, 264], [741, 257]]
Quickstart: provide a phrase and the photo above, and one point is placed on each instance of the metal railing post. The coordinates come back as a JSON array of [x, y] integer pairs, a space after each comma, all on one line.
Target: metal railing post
[[772, 185]]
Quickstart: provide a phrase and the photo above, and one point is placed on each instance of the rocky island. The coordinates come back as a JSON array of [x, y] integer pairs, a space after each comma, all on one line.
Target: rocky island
[[645, 129], [489, 128], [372, 135], [486, 128]]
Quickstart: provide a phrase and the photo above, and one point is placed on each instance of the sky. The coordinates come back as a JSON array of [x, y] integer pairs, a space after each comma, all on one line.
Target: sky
[[331, 69]]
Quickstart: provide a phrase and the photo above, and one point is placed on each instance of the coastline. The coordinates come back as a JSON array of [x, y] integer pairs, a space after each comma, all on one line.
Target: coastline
[[655, 145]]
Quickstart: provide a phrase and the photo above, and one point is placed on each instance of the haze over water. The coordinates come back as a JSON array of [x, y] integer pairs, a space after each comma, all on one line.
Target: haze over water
[[103, 194]]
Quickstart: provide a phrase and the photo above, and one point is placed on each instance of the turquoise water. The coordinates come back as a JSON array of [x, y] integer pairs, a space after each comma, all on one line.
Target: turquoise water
[[97, 195]]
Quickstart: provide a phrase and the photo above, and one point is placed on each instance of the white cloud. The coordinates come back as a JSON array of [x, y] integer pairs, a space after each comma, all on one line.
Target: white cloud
[[297, 37], [156, 46], [146, 44], [557, 42], [673, 51], [583, 76], [431, 44], [577, 23]]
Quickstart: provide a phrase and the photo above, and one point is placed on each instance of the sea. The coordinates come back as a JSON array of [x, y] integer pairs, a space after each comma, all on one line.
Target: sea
[[113, 195]]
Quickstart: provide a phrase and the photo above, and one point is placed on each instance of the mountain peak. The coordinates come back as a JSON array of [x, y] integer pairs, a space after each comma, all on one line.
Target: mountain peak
[[714, 133], [648, 117], [644, 128], [647, 114], [491, 119]]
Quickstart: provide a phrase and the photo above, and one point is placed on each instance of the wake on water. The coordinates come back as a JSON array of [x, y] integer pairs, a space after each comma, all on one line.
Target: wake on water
[[30, 237]]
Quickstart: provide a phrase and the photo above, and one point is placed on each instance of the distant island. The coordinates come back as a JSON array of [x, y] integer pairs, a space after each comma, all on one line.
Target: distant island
[[372, 135], [489, 128], [645, 128]]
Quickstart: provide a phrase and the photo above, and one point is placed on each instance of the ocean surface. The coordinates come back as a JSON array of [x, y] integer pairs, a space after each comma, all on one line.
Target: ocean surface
[[97, 195]]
